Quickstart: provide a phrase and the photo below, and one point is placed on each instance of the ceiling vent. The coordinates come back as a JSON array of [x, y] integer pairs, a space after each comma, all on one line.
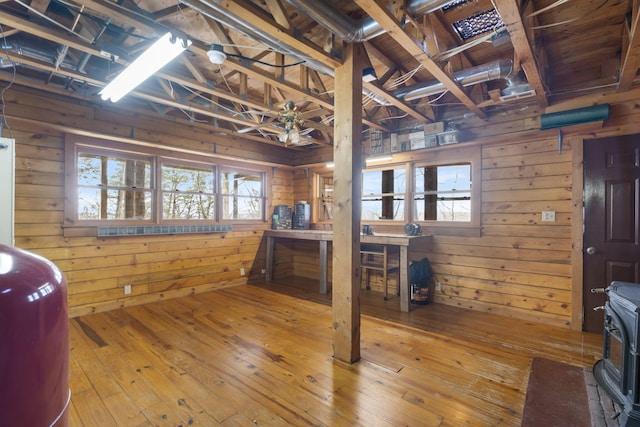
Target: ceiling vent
[[517, 88]]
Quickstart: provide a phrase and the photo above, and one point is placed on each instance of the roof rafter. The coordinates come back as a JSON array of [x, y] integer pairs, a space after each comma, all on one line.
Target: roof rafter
[[631, 57], [378, 12], [510, 13]]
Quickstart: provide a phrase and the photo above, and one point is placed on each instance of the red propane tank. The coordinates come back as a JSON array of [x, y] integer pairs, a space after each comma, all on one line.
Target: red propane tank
[[34, 341]]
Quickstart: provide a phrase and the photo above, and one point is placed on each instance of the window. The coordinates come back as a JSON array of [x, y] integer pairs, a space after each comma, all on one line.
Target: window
[[324, 201], [188, 192], [113, 186], [442, 193], [446, 189], [242, 195], [128, 184], [383, 194]]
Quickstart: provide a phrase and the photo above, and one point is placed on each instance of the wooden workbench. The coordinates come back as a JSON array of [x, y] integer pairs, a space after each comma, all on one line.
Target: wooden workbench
[[407, 245]]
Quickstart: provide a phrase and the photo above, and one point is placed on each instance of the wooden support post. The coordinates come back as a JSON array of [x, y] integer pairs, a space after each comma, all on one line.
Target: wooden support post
[[347, 158], [269, 260], [323, 267]]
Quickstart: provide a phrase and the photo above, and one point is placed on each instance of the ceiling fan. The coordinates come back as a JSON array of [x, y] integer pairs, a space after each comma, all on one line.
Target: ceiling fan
[[292, 125], [290, 118]]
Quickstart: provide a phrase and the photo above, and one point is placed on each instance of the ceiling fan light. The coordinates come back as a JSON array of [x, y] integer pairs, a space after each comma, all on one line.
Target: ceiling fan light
[[294, 137], [216, 54], [283, 137]]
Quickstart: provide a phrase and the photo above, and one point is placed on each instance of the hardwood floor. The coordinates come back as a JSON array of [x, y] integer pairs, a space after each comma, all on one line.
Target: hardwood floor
[[262, 355]]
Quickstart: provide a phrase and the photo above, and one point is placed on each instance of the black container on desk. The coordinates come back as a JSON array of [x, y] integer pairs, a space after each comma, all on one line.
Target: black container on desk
[[301, 216]]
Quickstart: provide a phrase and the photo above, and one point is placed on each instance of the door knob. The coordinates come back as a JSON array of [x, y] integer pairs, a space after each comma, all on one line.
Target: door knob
[[591, 250]]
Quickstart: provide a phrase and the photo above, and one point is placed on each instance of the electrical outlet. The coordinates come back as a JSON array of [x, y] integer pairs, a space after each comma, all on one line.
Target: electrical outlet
[[548, 216], [242, 271], [438, 286], [264, 271], [127, 289]]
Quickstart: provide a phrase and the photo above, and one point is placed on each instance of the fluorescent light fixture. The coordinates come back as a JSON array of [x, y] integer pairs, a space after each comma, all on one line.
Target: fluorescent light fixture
[[379, 159], [330, 165], [165, 49]]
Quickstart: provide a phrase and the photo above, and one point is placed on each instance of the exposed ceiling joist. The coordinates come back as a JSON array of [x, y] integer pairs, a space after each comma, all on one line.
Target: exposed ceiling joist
[[630, 56], [510, 14], [391, 25], [279, 14], [401, 105], [99, 37], [235, 8]]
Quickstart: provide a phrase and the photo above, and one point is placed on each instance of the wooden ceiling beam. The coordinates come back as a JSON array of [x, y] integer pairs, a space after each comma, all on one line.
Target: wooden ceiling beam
[[131, 18], [40, 5], [256, 73], [631, 55], [273, 29], [64, 39], [391, 25], [223, 35], [278, 12], [98, 83], [510, 13], [53, 34], [446, 34], [138, 20], [398, 103], [195, 72]]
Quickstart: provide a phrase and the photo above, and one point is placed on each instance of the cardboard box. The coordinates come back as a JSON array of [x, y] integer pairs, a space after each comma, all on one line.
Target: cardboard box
[[417, 140], [433, 128]]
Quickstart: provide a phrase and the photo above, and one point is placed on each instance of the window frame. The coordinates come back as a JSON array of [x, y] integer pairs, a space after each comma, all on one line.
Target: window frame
[[440, 156], [407, 186], [236, 167], [75, 144], [462, 155], [114, 154], [187, 164], [319, 200]]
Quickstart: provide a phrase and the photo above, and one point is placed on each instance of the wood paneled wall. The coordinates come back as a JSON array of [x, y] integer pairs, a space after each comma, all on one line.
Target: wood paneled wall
[[157, 267], [520, 266]]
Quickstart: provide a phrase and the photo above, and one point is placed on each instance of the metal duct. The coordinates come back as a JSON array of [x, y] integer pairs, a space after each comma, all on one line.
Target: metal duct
[[595, 113], [347, 29], [500, 69], [221, 15]]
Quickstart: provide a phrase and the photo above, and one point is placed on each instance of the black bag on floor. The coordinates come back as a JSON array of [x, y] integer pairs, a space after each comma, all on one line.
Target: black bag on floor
[[420, 273]]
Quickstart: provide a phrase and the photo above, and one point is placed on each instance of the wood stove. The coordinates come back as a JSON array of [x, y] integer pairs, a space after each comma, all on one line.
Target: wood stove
[[618, 372]]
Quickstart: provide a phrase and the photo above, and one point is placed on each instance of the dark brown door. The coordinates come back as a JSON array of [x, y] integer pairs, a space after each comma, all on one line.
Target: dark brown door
[[611, 219]]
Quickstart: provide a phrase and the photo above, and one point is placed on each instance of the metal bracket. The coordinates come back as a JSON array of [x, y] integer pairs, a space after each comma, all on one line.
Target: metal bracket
[[559, 141]]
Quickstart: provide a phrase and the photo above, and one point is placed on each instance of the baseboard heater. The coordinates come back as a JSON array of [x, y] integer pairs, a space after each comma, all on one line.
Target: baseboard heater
[[574, 117]]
